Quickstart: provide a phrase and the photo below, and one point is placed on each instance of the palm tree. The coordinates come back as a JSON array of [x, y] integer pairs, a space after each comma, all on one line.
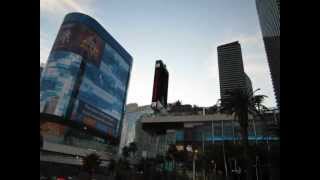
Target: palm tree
[[91, 163], [241, 103]]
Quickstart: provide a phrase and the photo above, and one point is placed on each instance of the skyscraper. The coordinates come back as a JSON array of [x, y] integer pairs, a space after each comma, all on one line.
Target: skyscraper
[[269, 16], [231, 71], [160, 86]]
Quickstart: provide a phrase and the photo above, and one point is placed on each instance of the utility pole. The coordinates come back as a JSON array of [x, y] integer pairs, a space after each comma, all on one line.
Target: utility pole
[[202, 142], [203, 151], [193, 169], [257, 175], [254, 130], [233, 132], [223, 150], [194, 164]]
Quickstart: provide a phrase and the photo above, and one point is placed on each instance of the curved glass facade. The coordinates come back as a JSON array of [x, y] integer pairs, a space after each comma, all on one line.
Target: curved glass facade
[[87, 76]]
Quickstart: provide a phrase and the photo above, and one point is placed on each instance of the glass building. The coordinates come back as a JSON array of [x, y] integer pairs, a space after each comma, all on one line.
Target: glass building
[[87, 76], [269, 16], [133, 115], [231, 71], [83, 91], [203, 130]]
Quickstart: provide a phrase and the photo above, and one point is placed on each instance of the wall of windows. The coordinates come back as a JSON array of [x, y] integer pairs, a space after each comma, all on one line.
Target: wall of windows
[[221, 130]]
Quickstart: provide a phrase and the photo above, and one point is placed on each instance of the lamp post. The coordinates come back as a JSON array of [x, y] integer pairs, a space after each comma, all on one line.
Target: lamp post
[[257, 172], [194, 164], [223, 150]]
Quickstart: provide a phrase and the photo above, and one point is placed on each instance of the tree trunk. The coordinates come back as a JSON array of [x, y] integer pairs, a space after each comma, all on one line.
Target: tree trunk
[[245, 142]]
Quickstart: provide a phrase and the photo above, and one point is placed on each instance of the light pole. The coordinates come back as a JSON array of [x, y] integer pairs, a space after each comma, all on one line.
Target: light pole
[[212, 126], [223, 150], [257, 175], [194, 164], [202, 134]]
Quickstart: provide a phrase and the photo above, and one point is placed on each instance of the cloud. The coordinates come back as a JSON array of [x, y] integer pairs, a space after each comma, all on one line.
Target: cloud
[[52, 12], [62, 6], [44, 53], [52, 6], [44, 46], [73, 5]]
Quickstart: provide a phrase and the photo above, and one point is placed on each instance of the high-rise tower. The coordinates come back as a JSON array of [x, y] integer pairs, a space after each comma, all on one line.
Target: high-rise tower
[[231, 71], [269, 16], [160, 86]]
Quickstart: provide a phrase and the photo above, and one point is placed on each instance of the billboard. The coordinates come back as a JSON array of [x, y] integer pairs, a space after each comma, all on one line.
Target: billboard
[[57, 82], [103, 89], [80, 39], [87, 76]]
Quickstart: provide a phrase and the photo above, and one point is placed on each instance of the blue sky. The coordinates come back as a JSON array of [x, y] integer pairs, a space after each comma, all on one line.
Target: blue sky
[[183, 33]]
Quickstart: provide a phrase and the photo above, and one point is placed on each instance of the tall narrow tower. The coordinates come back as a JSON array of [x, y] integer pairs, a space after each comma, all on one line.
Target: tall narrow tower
[[160, 86], [231, 71]]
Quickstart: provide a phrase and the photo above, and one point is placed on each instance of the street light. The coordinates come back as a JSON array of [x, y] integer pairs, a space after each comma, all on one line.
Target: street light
[[194, 155], [194, 163]]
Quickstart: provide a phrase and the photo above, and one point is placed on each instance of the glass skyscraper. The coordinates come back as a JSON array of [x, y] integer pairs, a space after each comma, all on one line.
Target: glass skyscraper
[[83, 91], [231, 71], [269, 16], [86, 77]]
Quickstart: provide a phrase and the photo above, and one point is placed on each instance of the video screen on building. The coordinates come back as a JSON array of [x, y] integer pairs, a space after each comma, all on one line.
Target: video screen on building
[[102, 92], [80, 39], [85, 79], [57, 82]]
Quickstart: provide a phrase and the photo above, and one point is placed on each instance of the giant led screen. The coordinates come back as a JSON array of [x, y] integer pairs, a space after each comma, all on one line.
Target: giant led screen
[[57, 82], [86, 77]]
